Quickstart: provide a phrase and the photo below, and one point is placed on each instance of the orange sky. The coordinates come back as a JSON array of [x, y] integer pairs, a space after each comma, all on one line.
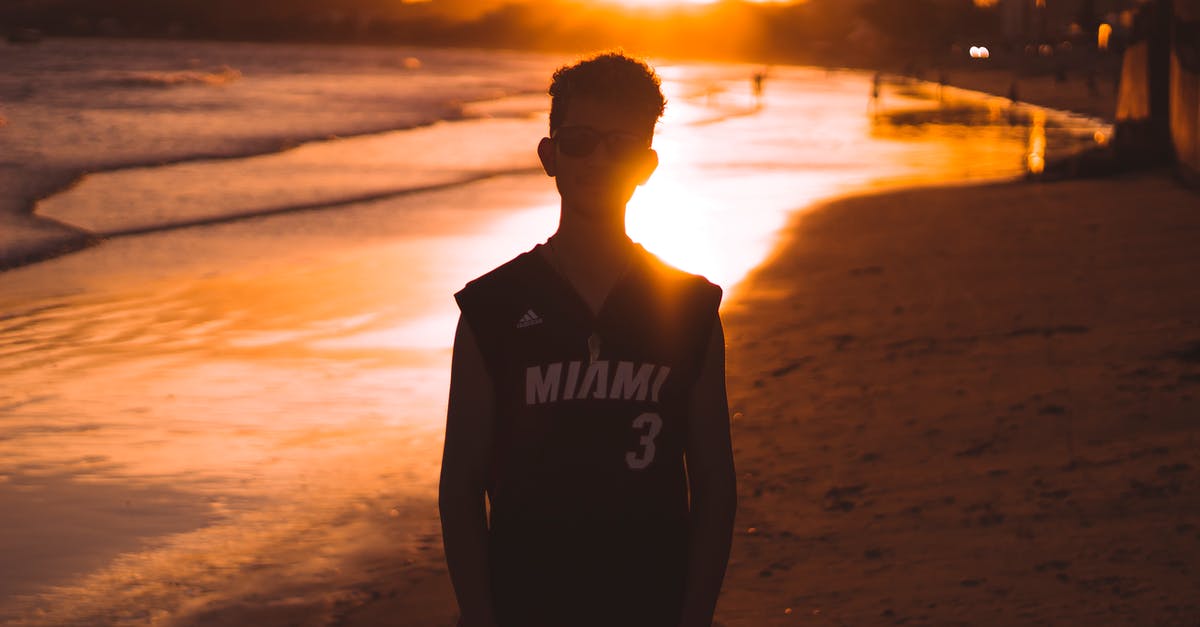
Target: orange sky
[[474, 8], [666, 3]]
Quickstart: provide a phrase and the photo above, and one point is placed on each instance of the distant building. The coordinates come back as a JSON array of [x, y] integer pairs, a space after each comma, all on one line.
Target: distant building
[[1017, 16], [1185, 87], [1039, 21], [1158, 110]]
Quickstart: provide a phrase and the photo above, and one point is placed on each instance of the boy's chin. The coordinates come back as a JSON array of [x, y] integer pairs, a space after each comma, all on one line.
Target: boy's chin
[[598, 201]]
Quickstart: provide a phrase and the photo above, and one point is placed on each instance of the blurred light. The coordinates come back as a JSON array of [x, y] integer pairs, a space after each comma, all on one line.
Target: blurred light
[[1046, 50], [980, 52], [1103, 35], [1101, 138], [1075, 29], [1037, 164], [1127, 18], [983, 4], [1036, 160], [1041, 4], [668, 3], [995, 110]]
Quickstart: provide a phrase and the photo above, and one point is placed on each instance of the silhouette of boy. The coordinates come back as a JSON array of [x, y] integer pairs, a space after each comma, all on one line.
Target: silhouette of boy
[[586, 372]]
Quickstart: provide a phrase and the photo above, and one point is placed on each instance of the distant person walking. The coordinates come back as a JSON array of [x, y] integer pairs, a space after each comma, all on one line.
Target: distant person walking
[[873, 106], [585, 373], [757, 80]]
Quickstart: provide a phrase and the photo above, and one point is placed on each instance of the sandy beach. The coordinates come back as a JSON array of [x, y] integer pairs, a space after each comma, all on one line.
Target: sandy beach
[[973, 404], [957, 406], [969, 406]]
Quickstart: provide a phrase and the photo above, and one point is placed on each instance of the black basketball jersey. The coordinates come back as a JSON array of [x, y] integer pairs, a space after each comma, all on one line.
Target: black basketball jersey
[[588, 492]]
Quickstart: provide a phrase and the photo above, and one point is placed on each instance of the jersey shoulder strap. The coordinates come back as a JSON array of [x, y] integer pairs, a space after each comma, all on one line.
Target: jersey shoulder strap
[[683, 306], [490, 304]]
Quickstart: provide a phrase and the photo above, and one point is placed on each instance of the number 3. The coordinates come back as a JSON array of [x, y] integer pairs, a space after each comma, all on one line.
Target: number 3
[[638, 460]]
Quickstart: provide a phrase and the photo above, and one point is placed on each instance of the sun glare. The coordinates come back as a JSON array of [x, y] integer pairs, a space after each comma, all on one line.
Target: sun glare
[[669, 3], [659, 3]]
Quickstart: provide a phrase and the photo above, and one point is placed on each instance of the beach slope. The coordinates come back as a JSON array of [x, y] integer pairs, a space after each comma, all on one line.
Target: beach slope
[[955, 406], [972, 406]]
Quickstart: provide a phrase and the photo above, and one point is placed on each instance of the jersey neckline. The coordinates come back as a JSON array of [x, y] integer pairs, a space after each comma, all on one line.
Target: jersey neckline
[[577, 301]]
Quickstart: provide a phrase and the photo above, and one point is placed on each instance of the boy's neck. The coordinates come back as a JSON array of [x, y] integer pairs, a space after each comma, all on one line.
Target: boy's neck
[[591, 245], [594, 237], [590, 257]]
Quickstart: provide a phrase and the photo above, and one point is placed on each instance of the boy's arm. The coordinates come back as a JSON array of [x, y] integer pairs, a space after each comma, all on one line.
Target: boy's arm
[[465, 461], [713, 486]]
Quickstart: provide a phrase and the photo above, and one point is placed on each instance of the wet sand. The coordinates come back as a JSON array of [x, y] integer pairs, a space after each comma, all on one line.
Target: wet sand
[[25, 238], [1072, 94]]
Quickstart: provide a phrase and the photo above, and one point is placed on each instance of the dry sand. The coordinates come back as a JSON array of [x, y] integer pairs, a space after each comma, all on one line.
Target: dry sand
[[963, 406], [974, 406]]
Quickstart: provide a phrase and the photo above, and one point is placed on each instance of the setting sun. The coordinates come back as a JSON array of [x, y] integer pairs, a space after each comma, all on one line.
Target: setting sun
[[671, 3], [658, 3]]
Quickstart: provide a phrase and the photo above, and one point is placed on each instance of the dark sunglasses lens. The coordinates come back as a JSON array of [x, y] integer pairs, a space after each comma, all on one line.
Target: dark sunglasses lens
[[577, 142], [624, 145]]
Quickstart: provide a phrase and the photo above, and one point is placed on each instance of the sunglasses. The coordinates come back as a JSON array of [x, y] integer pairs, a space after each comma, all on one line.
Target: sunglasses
[[581, 141]]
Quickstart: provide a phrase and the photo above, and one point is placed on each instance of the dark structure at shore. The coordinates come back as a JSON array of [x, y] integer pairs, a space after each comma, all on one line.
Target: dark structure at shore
[[1158, 109]]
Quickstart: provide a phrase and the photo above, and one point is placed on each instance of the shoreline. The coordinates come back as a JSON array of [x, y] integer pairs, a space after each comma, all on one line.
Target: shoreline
[[1071, 95], [28, 238], [19, 220], [25, 237], [40, 168]]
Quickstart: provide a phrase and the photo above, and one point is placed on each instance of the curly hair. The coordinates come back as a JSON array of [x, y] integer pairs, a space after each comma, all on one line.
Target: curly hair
[[612, 77]]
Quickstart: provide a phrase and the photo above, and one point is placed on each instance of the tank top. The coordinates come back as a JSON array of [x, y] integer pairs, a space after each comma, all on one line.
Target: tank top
[[587, 490]]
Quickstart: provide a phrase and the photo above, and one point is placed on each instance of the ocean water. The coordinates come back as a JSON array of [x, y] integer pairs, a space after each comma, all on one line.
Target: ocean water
[[239, 390]]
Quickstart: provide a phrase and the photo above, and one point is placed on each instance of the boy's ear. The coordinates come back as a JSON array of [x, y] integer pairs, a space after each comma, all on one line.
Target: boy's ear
[[547, 155], [648, 166]]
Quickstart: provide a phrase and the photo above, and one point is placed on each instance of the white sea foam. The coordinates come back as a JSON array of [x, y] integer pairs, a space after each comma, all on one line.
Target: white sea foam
[[76, 106], [220, 76], [314, 175]]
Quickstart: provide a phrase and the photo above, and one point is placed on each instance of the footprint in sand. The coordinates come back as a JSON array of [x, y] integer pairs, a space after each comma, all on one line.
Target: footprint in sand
[[838, 498], [1188, 353], [1052, 565], [982, 514]]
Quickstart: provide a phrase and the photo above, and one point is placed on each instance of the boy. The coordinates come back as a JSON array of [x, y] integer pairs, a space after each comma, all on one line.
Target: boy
[[586, 373]]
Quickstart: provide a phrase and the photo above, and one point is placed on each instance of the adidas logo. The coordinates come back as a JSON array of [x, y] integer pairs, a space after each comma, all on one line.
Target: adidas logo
[[528, 320]]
